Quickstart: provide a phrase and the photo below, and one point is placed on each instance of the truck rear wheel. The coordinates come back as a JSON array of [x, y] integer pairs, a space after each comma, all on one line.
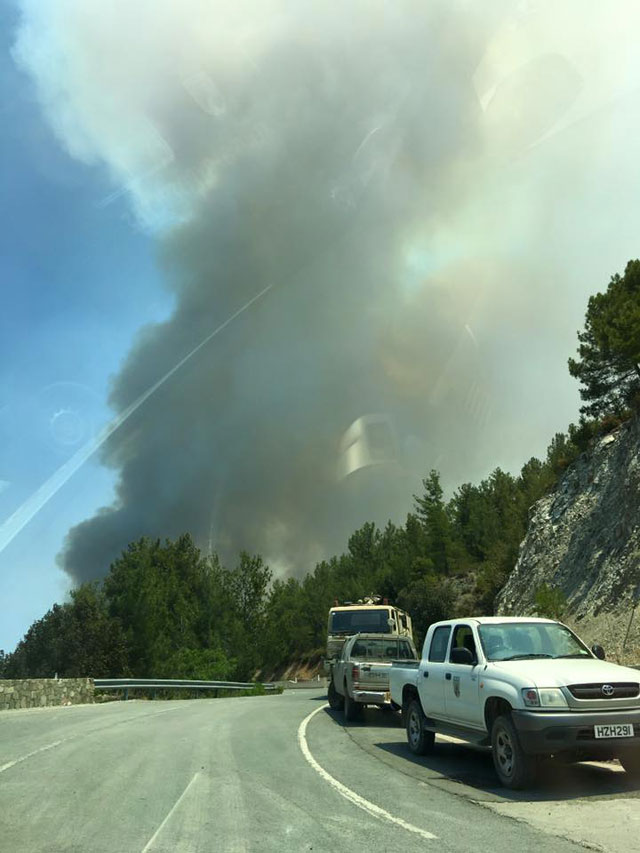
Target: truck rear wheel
[[514, 767], [419, 738], [333, 696], [352, 710]]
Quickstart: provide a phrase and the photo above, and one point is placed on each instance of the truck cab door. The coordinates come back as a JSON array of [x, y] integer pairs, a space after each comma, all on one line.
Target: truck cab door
[[461, 682], [431, 673]]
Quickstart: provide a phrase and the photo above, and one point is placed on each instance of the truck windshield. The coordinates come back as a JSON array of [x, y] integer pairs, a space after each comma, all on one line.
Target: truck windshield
[[522, 640], [355, 621], [382, 650]]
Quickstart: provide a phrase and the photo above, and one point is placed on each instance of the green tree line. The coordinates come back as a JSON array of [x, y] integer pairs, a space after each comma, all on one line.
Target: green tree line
[[165, 609]]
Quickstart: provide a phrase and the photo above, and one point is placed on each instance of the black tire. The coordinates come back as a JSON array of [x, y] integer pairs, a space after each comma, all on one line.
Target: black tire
[[515, 769], [333, 697], [631, 763], [352, 710], [419, 737]]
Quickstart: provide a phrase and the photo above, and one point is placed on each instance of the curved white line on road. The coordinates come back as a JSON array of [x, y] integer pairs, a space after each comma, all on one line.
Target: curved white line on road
[[347, 793]]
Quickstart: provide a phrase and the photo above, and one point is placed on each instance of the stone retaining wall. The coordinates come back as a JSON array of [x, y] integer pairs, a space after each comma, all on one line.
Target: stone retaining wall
[[39, 692]]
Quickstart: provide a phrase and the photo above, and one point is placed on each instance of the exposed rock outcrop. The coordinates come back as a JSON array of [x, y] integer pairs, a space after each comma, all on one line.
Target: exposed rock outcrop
[[585, 539]]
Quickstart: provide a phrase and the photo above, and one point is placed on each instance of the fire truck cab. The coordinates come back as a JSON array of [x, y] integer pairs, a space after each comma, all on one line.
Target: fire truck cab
[[370, 615]]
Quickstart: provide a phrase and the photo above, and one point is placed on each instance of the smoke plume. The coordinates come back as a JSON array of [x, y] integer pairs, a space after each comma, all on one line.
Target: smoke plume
[[414, 183]]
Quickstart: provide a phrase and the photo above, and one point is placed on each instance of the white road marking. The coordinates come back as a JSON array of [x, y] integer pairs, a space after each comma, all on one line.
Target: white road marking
[[15, 761], [149, 843], [347, 793]]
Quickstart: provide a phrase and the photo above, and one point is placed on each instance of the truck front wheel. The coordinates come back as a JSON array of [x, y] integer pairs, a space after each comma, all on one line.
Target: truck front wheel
[[514, 767], [419, 738]]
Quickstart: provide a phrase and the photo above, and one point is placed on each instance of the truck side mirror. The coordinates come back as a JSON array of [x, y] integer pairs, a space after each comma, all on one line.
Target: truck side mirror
[[598, 651], [463, 656]]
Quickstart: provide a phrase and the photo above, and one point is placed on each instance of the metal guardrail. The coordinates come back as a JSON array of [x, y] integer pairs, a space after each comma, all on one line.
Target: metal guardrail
[[156, 684], [303, 684]]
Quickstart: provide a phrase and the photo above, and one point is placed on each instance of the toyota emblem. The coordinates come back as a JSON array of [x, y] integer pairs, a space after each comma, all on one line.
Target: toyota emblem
[[608, 689]]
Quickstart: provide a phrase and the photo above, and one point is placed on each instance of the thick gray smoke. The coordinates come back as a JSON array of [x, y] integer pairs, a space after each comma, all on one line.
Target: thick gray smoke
[[383, 168]]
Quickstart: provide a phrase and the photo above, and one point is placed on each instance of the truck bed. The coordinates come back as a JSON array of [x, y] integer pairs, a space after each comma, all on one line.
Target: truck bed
[[402, 672]]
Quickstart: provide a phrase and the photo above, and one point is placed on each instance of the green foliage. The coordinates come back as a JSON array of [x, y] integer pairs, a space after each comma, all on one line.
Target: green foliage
[[156, 591], [428, 599], [287, 631], [165, 610], [198, 665], [608, 366], [432, 513], [551, 602], [242, 622], [75, 639], [564, 449]]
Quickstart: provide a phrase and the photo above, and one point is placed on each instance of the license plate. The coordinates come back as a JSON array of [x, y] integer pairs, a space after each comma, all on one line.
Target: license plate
[[624, 730]]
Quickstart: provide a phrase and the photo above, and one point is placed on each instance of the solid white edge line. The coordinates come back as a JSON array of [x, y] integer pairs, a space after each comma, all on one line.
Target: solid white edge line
[[347, 793], [149, 843]]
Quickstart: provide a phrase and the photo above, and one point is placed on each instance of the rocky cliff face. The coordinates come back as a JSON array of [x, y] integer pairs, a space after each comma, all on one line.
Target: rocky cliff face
[[585, 539]]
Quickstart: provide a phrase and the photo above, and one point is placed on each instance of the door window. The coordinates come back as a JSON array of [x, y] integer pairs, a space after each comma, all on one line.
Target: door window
[[463, 639], [439, 642]]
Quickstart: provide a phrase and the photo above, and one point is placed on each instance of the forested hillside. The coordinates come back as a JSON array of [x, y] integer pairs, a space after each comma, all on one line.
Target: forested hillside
[[168, 610], [165, 609]]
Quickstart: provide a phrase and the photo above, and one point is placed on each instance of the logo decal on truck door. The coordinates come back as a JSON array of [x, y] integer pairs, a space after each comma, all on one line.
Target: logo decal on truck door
[[456, 685]]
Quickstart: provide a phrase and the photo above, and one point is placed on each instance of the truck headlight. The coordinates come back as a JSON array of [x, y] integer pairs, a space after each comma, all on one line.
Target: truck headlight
[[544, 697]]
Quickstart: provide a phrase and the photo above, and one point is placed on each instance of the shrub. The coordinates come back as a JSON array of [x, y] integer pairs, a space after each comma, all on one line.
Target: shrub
[[551, 602]]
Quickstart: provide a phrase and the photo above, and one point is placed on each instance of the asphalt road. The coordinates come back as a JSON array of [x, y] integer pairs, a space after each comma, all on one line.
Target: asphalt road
[[269, 774]]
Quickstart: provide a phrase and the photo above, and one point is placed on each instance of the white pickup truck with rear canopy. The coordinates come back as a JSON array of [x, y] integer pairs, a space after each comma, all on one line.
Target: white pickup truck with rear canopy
[[528, 687]]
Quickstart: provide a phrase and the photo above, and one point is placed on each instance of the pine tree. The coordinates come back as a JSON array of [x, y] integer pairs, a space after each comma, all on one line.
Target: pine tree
[[432, 512], [608, 366]]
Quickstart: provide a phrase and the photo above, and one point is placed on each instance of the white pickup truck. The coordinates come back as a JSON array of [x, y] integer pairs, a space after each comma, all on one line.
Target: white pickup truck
[[528, 687], [360, 675]]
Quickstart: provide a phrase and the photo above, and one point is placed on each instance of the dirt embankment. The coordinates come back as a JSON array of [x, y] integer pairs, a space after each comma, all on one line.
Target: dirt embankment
[[305, 668]]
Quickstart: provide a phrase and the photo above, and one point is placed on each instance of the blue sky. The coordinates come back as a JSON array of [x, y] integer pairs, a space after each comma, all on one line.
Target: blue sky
[[78, 279]]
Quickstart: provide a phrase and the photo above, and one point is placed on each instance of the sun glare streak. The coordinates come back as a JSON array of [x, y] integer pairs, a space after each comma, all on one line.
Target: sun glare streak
[[32, 506]]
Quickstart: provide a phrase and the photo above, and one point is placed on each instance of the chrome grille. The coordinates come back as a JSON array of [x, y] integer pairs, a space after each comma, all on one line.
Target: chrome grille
[[621, 690]]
